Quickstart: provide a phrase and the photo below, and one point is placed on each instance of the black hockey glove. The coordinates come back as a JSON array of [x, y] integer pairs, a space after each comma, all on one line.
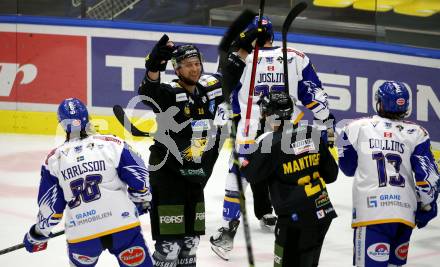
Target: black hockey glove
[[246, 39], [231, 70], [157, 59], [329, 135]]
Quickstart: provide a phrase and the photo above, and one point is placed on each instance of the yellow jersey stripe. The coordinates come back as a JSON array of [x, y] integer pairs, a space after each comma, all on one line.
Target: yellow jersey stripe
[[366, 223]]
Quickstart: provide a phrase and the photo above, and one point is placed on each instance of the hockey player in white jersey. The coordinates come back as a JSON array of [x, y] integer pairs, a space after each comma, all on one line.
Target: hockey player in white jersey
[[396, 180], [304, 85], [101, 187]]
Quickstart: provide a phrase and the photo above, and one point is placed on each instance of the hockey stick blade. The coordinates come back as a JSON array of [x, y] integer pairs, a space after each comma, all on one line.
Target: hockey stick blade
[[21, 245], [126, 123], [296, 10]]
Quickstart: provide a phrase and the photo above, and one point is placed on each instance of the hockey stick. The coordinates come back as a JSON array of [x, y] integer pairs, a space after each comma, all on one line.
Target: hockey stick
[[21, 245], [253, 73], [236, 27], [126, 123], [296, 10]]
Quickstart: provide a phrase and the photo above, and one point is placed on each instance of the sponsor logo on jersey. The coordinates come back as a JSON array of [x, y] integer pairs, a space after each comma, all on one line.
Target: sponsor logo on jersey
[[320, 214], [402, 251], [328, 210], [411, 131], [125, 214], [387, 125], [181, 97], [400, 101], [303, 146], [379, 252], [322, 200], [171, 219], [269, 60], [133, 256], [192, 172], [387, 134], [214, 93], [91, 146], [400, 127], [200, 216], [90, 216], [83, 259], [372, 202]]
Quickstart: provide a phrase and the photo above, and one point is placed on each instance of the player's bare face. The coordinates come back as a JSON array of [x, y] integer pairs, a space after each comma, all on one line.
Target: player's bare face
[[190, 70]]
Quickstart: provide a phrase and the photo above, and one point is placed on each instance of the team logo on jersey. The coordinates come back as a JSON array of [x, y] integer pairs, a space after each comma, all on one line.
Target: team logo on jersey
[[196, 149], [379, 252], [387, 134], [83, 259], [269, 60], [133, 256], [400, 127], [181, 97], [187, 110], [78, 149], [402, 251]]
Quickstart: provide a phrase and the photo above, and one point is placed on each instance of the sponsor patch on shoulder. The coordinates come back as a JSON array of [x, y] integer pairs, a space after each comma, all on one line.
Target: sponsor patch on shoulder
[[181, 97], [214, 93]]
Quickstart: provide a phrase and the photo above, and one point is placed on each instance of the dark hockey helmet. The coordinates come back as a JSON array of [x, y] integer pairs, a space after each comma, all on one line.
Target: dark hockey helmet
[[392, 100], [276, 103], [183, 52], [73, 115]]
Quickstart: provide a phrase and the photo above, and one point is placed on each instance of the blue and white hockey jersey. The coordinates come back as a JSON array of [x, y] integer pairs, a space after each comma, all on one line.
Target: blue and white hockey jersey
[[304, 85], [393, 168], [87, 180]]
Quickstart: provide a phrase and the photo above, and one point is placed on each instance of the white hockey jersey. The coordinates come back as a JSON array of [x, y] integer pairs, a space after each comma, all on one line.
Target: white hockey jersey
[[87, 180], [304, 85], [393, 169]]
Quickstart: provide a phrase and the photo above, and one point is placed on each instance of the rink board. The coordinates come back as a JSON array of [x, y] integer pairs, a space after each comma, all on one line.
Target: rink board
[[44, 60]]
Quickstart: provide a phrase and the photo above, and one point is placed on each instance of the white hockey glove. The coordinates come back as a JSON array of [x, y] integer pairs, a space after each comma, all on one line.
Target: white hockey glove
[[141, 199], [223, 114]]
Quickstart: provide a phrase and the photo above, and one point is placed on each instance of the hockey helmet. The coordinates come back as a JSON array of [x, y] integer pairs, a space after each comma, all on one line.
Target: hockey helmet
[[392, 98], [73, 115], [266, 23], [183, 52], [276, 103]]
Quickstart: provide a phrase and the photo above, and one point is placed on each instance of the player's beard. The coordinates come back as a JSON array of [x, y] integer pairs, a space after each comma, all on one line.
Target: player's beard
[[189, 81]]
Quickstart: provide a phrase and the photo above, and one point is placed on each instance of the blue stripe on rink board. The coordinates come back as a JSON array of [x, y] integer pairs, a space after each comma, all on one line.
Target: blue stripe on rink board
[[218, 31]]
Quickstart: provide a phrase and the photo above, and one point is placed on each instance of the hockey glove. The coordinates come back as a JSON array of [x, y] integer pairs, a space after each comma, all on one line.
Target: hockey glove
[[159, 56], [34, 242], [141, 199], [247, 38], [327, 135], [223, 114], [425, 214]]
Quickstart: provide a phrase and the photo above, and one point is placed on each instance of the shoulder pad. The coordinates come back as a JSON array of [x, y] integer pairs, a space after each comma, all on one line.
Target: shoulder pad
[[51, 153]]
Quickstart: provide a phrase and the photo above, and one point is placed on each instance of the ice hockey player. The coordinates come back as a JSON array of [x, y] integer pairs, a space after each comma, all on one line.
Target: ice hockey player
[[178, 211], [101, 186], [396, 180], [304, 85], [297, 164]]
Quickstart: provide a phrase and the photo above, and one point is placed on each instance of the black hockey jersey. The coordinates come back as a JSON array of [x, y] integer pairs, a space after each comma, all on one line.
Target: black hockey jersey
[[297, 165]]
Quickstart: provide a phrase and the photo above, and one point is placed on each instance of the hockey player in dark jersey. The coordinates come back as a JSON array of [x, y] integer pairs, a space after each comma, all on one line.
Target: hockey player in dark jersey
[[304, 86], [180, 167], [297, 165]]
